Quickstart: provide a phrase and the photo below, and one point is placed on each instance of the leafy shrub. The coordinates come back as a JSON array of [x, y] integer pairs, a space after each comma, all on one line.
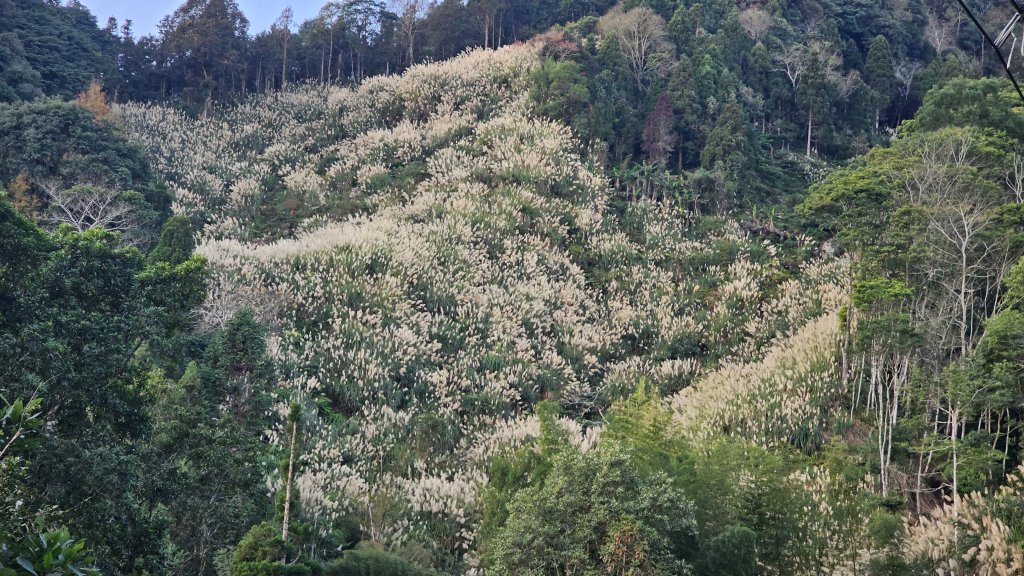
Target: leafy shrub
[[371, 562], [269, 569], [51, 553]]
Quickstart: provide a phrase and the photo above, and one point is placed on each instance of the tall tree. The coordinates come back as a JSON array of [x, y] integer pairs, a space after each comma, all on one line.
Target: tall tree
[[880, 75], [596, 513], [208, 429], [812, 94], [446, 29], [487, 14], [643, 39], [282, 28], [206, 41], [408, 27]]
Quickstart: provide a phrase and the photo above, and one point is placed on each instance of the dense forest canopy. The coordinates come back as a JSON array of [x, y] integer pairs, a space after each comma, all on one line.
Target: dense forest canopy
[[496, 287]]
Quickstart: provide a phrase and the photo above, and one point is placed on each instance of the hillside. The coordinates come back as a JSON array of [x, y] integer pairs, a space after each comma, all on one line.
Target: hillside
[[495, 288], [487, 270]]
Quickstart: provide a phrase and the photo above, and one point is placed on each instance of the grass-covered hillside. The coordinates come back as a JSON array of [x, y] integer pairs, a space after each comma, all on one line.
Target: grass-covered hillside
[[436, 259], [672, 288]]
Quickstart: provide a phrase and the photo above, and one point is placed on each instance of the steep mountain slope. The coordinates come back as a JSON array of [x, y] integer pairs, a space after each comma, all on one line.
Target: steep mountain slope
[[455, 259]]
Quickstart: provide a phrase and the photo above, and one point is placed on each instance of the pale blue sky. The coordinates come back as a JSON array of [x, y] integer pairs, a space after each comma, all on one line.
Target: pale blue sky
[[146, 14]]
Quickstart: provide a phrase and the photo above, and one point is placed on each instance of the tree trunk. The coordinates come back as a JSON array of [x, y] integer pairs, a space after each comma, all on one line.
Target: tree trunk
[[810, 125], [330, 58], [955, 414], [288, 483], [284, 66]]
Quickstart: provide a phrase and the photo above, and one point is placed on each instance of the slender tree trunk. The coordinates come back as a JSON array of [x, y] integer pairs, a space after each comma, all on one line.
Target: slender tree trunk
[[963, 302], [1006, 441], [955, 416], [330, 58], [810, 125], [288, 484], [284, 66]]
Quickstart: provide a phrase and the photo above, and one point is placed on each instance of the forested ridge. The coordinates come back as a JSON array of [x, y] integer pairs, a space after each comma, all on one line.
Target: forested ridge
[[655, 287]]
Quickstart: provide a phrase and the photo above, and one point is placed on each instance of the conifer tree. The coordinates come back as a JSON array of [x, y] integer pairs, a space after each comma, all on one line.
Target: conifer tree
[[880, 75]]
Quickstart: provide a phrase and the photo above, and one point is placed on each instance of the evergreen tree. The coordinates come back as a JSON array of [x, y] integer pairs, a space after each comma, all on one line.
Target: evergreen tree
[[208, 444], [205, 41], [55, 146], [177, 242], [594, 512], [812, 95], [729, 140], [880, 75], [560, 91], [18, 80], [690, 121], [61, 44]]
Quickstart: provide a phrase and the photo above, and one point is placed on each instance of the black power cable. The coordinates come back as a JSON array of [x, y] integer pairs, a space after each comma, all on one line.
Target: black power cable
[[995, 47]]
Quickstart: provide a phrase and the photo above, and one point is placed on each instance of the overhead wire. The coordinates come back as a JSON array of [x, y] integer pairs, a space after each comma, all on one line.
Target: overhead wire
[[1007, 31]]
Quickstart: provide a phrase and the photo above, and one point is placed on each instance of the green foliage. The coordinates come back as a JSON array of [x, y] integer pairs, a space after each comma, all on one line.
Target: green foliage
[[814, 100], [755, 508], [25, 248], [239, 369], [261, 544], [729, 141], [173, 291], [643, 427], [78, 309], [177, 242], [371, 562], [18, 80], [560, 90], [19, 422], [885, 323], [211, 37], [57, 50], [853, 203], [208, 450], [508, 474], [759, 82], [46, 553], [762, 501], [879, 292], [982, 103], [593, 511], [885, 531], [269, 569], [262, 553], [880, 74], [731, 553], [1015, 284], [57, 146]]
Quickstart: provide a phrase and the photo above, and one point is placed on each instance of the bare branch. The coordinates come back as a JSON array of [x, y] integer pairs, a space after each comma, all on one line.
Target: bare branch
[[84, 206], [643, 39]]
